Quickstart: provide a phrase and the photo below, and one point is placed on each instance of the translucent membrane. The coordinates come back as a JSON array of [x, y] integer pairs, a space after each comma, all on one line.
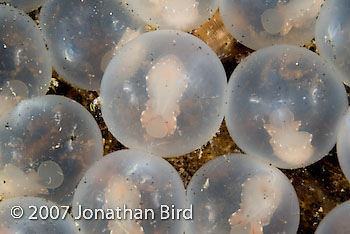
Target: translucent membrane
[[285, 105], [174, 14], [332, 36], [130, 180], [336, 221], [260, 23], [26, 5], [82, 37], [47, 143], [25, 69], [164, 93], [237, 194]]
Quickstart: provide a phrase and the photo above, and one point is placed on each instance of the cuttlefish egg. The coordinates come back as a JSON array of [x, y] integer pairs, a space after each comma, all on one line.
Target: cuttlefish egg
[[166, 82], [285, 16], [260, 198], [174, 14], [26, 5], [261, 23], [164, 93], [287, 142], [286, 119], [238, 194], [120, 192]]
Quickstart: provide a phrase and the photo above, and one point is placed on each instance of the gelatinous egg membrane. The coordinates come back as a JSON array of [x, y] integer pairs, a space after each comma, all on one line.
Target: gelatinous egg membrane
[[46, 145], [285, 105], [25, 224], [343, 145], [164, 93], [332, 36], [238, 194], [259, 23], [174, 14], [136, 180], [82, 36], [25, 68], [26, 5], [336, 221]]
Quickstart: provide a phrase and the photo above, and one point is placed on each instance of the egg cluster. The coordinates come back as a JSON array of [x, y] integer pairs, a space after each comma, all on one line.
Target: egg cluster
[[163, 93]]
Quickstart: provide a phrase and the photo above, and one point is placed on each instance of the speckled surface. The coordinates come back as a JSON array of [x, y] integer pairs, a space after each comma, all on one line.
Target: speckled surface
[[320, 187]]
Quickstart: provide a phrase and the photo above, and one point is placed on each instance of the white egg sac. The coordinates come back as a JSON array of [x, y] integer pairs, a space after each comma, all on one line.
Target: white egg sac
[[261, 23], [343, 145], [163, 93], [285, 105], [237, 194]]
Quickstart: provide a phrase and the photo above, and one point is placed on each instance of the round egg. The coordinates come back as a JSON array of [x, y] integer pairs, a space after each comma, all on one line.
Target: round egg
[[237, 194], [82, 37], [46, 145], [336, 221], [174, 14], [134, 193], [343, 145], [25, 70], [26, 5], [35, 215], [261, 23], [285, 106], [163, 93], [332, 36]]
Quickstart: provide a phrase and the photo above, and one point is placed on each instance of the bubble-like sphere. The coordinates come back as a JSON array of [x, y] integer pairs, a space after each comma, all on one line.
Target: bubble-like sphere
[[332, 39], [336, 221], [285, 105], [47, 144], [83, 36], [343, 145], [164, 93], [25, 70], [54, 223], [174, 14], [261, 23], [26, 5], [238, 194], [130, 180]]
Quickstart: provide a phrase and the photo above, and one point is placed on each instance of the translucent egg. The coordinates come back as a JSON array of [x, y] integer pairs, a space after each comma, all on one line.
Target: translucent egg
[[47, 143], [332, 36], [130, 180], [25, 70], [174, 14], [285, 105], [261, 23], [53, 223], [83, 36], [236, 194], [337, 221], [26, 5], [168, 99], [343, 145]]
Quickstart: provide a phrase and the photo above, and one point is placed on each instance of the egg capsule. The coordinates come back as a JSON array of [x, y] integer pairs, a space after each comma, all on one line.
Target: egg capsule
[[336, 221], [238, 194], [286, 118], [82, 37], [25, 68], [259, 23], [343, 145], [46, 144], [332, 36], [26, 5], [169, 99], [131, 180], [174, 14], [38, 216]]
